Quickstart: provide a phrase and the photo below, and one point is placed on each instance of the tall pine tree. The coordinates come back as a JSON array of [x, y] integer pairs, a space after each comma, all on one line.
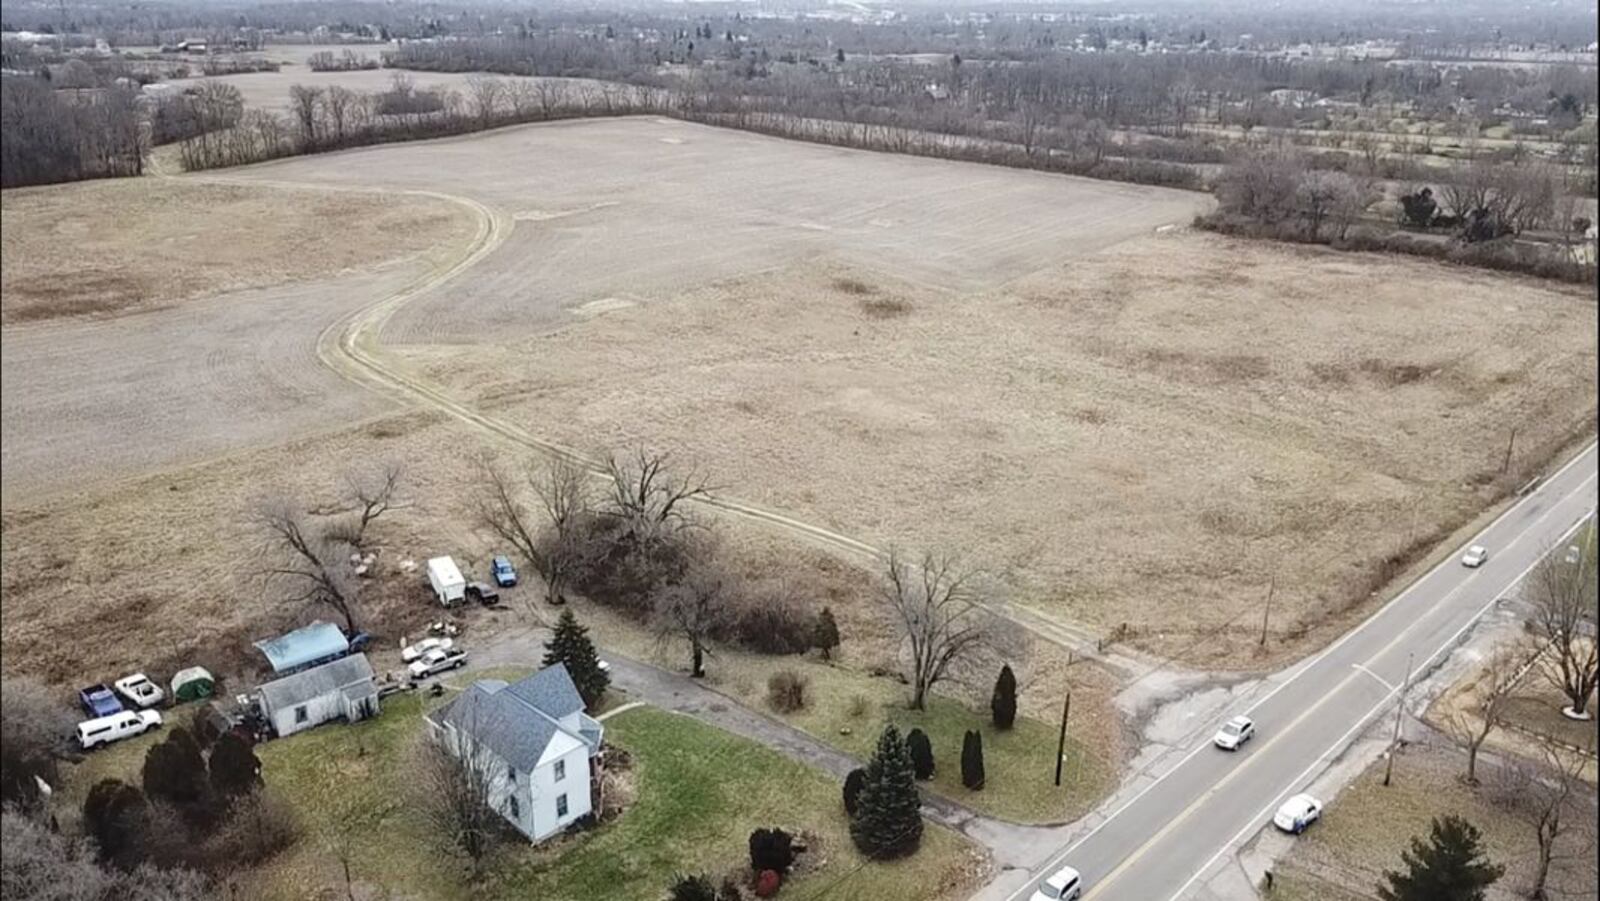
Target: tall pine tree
[[1004, 703], [1449, 866], [887, 822], [570, 645], [825, 633]]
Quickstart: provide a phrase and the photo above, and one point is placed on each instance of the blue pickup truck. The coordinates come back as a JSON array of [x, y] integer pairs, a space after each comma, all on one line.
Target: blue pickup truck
[[99, 701]]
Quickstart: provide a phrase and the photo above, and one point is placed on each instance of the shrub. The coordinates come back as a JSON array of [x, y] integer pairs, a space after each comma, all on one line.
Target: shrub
[[730, 890], [771, 849], [852, 790], [921, 753], [113, 815], [858, 706], [825, 633], [175, 773], [972, 761], [786, 691], [767, 883], [771, 622], [1003, 705], [693, 888]]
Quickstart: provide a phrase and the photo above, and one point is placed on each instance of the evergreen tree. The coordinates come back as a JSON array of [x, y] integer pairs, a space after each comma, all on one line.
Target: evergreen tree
[[1449, 866], [113, 815], [887, 822], [972, 761], [1004, 702], [771, 849], [921, 753], [234, 767], [174, 771], [852, 790], [570, 645], [693, 888], [825, 633]]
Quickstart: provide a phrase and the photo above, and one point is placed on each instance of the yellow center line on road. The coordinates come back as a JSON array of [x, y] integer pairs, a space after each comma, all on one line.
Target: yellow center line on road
[[1285, 731]]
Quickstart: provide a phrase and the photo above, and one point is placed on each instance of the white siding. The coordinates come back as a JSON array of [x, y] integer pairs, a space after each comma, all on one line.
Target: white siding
[[546, 789], [319, 710]]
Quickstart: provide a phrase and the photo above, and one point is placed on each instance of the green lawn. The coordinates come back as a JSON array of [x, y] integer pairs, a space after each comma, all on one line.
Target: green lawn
[[1019, 764], [699, 793]]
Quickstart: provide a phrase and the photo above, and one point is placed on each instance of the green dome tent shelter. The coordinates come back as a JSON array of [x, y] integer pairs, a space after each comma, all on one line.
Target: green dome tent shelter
[[192, 684]]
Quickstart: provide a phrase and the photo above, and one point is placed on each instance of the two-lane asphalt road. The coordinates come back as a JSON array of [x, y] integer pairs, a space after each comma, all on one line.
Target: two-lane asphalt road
[[1159, 843]]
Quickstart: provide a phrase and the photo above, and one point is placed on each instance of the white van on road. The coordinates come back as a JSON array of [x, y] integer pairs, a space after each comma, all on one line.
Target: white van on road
[[106, 729]]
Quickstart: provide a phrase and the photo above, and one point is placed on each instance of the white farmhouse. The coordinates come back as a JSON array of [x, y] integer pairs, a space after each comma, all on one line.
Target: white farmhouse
[[541, 748], [339, 690]]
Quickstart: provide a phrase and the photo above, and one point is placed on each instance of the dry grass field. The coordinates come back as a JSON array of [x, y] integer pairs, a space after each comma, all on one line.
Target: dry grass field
[[640, 209], [229, 287], [120, 245], [1147, 435]]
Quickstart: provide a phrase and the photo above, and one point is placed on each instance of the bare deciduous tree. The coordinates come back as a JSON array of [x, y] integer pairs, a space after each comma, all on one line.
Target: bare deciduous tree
[[485, 93], [1544, 794], [348, 825], [454, 782], [314, 561], [1502, 672], [695, 607], [1563, 598], [936, 611], [33, 723], [552, 546], [647, 498]]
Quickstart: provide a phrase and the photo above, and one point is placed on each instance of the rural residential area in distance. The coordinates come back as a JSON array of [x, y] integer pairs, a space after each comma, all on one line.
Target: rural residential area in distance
[[895, 450]]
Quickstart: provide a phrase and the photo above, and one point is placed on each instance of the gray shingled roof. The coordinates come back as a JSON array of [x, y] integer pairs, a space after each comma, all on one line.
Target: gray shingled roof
[[315, 682], [551, 690], [515, 721]]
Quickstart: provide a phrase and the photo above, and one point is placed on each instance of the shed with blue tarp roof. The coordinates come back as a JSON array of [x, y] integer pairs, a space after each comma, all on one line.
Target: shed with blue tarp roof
[[308, 645]]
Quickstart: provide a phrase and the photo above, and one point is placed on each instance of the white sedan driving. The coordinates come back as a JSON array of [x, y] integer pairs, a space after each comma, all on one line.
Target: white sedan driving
[[1063, 885], [1297, 814], [1474, 556], [1234, 732]]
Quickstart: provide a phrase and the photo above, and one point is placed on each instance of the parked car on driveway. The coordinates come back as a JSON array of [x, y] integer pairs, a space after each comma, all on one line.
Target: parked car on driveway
[[98, 701], [1298, 813], [437, 661], [483, 593], [412, 652], [1063, 885], [140, 690], [1234, 732], [505, 575], [1474, 556], [106, 729]]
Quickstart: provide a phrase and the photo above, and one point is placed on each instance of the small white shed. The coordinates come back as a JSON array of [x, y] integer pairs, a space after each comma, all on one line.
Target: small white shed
[[342, 689]]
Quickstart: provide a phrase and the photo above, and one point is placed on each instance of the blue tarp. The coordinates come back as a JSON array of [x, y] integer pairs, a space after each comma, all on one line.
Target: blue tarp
[[318, 641]]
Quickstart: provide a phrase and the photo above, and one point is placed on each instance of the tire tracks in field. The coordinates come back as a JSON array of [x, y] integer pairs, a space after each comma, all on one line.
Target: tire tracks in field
[[350, 347]]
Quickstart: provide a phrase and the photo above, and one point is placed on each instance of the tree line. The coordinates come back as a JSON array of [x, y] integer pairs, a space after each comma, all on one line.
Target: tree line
[[49, 136]]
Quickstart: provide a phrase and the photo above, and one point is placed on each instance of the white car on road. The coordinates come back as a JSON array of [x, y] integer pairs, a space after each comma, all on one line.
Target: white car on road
[[1063, 885], [1474, 556], [437, 661], [1234, 733], [412, 652], [140, 690], [1297, 813]]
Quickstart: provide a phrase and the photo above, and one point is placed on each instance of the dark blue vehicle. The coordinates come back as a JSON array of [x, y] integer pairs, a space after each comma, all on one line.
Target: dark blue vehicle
[[99, 701], [505, 575]]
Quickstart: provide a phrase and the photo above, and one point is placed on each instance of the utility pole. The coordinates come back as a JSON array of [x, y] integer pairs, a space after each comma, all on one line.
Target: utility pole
[[1061, 746], [1505, 466], [1266, 609], [1399, 714]]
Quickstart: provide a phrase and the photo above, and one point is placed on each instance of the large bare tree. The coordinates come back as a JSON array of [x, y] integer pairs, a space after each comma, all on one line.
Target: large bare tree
[[313, 560], [647, 498], [1502, 672], [695, 607], [1549, 796], [1563, 597], [551, 542], [454, 782], [935, 609]]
